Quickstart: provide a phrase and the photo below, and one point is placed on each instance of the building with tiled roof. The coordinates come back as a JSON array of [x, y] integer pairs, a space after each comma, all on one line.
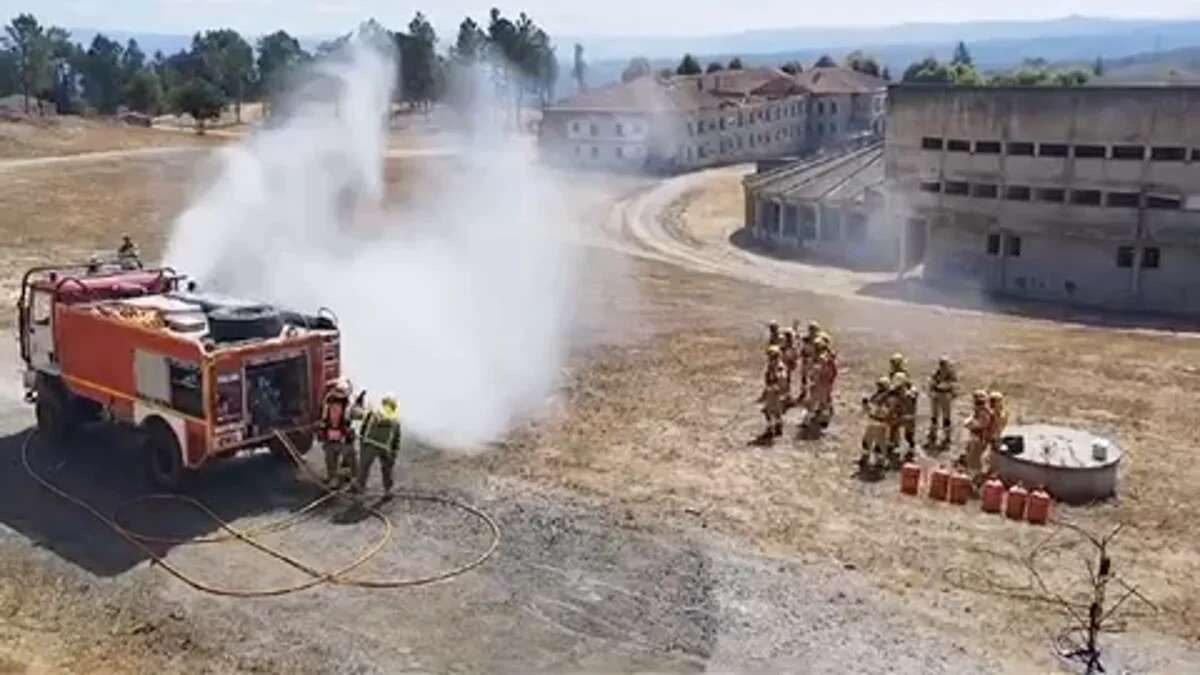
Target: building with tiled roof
[[686, 122]]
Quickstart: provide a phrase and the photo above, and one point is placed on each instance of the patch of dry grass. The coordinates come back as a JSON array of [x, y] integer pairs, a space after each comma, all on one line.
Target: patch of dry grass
[[62, 136]]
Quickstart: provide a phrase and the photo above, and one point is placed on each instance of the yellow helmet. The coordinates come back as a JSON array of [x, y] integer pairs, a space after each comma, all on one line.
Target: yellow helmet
[[773, 324], [899, 380], [996, 397], [882, 383], [897, 359], [944, 361], [814, 327], [388, 402], [774, 350]]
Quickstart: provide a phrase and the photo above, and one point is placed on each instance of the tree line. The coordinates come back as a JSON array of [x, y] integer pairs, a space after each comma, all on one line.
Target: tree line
[[690, 65], [222, 68]]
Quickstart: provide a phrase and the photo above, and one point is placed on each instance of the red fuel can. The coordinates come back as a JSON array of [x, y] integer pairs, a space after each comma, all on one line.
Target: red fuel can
[[939, 484], [992, 496], [910, 478], [1015, 506], [960, 488], [1038, 511]]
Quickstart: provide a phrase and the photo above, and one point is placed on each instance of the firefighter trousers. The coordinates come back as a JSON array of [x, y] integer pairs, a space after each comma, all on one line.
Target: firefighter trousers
[[338, 456], [387, 465]]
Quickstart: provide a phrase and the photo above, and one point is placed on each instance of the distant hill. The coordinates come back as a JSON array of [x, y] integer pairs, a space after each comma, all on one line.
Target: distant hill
[[1177, 66]]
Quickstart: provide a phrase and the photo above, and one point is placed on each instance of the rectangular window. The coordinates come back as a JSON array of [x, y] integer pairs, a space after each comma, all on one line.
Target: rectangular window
[[993, 244], [1151, 258], [1020, 149], [620, 129], [930, 143], [1012, 247], [1196, 154], [595, 130], [1129, 152], [958, 145], [595, 152], [955, 187], [1127, 200], [1056, 195], [1168, 154], [1090, 152], [833, 107], [1125, 257], [931, 186], [985, 190], [620, 152], [1164, 202], [1017, 193], [1052, 149], [987, 147], [187, 394], [574, 127], [722, 124], [1085, 197], [691, 129], [833, 127]]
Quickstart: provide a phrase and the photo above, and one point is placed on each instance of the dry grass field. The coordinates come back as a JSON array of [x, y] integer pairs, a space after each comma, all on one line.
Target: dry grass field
[[56, 137], [656, 417]]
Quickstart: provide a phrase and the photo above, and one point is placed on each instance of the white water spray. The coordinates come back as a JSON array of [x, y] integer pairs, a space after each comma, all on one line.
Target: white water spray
[[461, 309]]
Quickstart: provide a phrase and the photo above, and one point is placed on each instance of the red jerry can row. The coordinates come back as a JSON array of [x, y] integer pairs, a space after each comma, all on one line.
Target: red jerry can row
[[910, 479], [943, 484], [1020, 505]]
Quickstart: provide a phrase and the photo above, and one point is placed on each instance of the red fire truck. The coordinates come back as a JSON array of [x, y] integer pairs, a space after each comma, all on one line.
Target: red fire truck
[[197, 376]]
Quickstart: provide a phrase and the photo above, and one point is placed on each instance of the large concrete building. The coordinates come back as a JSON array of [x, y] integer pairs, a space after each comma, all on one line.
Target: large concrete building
[[687, 122], [1084, 195]]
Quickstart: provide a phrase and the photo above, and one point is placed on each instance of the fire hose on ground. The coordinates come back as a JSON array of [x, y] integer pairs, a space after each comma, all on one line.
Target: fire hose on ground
[[340, 576]]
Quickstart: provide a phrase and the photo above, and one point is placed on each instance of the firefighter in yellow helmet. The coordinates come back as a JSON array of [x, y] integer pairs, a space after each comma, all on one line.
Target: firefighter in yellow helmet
[[897, 364], [336, 434], [904, 422], [773, 394], [878, 408], [999, 424], [380, 439], [979, 425], [774, 337], [808, 355], [128, 255], [943, 388]]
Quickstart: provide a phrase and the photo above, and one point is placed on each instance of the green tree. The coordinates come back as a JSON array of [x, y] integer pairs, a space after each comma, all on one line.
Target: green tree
[[736, 63], [470, 45], [1075, 77], [31, 54], [579, 68], [639, 66], [792, 68], [962, 55], [825, 61], [144, 92], [863, 63], [199, 98], [10, 78], [714, 67], [132, 60], [228, 62], [103, 76], [279, 55], [688, 66], [419, 62]]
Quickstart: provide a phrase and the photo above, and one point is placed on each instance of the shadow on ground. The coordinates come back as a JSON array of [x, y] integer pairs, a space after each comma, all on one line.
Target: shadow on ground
[[744, 239], [105, 472], [916, 291]]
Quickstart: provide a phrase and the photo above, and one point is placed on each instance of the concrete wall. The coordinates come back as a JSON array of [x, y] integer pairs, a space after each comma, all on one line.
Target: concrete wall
[[1105, 168], [824, 229]]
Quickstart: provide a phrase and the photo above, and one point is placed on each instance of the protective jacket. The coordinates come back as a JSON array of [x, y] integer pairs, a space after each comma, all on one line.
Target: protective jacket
[[336, 416], [381, 429]]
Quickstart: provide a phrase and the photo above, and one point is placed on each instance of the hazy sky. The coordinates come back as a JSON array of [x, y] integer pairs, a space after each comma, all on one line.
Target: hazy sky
[[569, 17]]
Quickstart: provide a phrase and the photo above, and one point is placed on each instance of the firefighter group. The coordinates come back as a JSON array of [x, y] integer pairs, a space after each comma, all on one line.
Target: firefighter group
[[802, 370], [354, 435]]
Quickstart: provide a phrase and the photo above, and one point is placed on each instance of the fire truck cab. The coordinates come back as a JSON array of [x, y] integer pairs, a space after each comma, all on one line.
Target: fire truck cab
[[197, 376]]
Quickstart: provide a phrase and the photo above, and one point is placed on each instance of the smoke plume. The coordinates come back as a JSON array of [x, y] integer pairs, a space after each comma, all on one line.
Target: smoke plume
[[459, 306]]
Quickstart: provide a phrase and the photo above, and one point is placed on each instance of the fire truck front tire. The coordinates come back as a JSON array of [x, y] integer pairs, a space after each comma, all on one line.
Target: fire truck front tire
[[53, 410], [164, 456]]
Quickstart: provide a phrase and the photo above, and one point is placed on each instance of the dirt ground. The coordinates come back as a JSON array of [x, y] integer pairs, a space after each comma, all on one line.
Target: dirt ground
[[56, 137], [641, 531]]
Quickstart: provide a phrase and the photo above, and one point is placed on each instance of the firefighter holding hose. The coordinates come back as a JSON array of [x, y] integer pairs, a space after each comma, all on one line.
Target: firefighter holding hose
[[380, 439], [336, 434]]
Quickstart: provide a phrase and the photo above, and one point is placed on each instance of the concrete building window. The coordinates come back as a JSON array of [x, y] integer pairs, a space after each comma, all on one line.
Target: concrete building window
[[1125, 257], [691, 130], [1052, 149], [575, 128], [985, 190], [1151, 258], [832, 128], [930, 143], [1196, 154], [931, 186], [987, 147], [1085, 197], [1164, 202], [833, 108], [578, 151], [595, 152], [638, 129], [1018, 193], [741, 119], [1129, 152], [993, 244], [1128, 200], [595, 130], [1055, 195], [958, 145], [820, 128], [1020, 149], [789, 221], [956, 187], [1168, 154], [620, 152], [722, 124], [1012, 247], [1090, 152], [620, 129]]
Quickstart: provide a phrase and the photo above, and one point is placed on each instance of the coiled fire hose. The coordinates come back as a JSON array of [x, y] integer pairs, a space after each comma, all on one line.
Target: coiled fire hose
[[340, 576]]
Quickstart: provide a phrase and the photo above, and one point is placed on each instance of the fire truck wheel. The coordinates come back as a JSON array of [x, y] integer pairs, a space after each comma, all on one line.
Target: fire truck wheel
[[164, 457], [229, 324], [53, 410]]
